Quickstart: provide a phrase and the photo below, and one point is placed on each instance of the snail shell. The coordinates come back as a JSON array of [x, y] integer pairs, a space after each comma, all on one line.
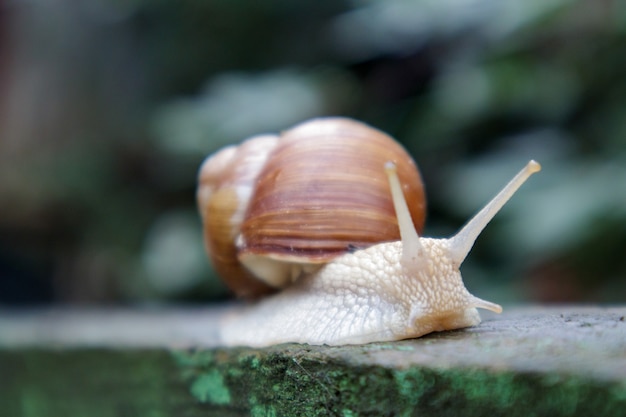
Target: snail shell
[[276, 207]]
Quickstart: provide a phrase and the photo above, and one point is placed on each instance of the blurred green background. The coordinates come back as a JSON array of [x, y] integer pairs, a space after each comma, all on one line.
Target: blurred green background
[[107, 108]]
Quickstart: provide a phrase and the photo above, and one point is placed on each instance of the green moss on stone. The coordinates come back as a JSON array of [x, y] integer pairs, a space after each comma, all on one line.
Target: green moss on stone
[[278, 381], [209, 387], [263, 411], [283, 381]]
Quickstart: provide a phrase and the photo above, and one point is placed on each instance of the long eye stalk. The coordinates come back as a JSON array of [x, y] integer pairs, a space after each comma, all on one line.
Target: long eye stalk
[[411, 247], [462, 242]]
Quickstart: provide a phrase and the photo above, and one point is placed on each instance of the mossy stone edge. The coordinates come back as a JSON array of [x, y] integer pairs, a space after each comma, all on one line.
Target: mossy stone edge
[[283, 380]]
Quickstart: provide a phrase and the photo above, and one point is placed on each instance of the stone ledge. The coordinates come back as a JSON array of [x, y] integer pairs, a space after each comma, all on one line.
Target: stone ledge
[[528, 361]]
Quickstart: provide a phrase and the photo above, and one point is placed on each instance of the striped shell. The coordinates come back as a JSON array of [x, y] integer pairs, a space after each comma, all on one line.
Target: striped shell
[[275, 207]]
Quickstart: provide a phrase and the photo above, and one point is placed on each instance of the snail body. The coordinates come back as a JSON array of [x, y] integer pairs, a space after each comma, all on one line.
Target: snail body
[[388, 291]]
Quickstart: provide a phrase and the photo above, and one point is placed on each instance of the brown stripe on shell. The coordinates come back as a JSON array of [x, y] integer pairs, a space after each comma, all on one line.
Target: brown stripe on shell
[[324, 190]]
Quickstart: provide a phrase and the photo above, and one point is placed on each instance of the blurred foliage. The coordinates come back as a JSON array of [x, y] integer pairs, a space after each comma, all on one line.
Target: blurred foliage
[[107, 108]]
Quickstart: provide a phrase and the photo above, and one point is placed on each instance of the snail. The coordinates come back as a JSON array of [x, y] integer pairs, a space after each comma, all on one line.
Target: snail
[[341, 282]]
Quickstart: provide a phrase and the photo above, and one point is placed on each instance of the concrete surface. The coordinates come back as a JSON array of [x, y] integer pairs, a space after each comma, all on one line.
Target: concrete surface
[[552, 361]]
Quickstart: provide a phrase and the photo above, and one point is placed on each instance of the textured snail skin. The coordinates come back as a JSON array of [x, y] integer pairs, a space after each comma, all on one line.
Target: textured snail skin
[[366, 296], [390, 291]]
